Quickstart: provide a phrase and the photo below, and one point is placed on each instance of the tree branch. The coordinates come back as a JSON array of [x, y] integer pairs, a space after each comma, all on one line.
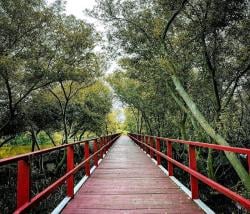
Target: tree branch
[[172, 19]]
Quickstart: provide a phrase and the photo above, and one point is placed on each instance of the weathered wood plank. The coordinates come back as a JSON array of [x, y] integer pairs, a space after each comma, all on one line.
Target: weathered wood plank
[[127, 181]]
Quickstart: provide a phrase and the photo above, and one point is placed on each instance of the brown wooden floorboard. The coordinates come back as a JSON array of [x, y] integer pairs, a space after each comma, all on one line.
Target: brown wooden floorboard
[[127, 181]]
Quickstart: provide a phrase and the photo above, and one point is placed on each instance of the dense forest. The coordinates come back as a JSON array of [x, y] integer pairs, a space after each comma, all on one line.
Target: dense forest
[[183, 72]]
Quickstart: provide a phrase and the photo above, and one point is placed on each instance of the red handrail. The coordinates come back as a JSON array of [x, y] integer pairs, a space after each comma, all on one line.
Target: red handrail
[[146, 143], [24, 202]]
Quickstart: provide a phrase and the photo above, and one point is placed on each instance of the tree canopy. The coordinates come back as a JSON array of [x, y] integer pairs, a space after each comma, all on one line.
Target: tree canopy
[[46, 60]]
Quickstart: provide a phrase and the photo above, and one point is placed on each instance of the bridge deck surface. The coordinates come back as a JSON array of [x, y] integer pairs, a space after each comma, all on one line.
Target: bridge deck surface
[[127, 181]]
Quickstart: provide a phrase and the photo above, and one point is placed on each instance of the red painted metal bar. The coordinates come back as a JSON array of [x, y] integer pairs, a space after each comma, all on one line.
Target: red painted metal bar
[[144, 140], [169, 154], [193, 166], [151, 145], [207, 145], [23, 182], [86, 156], [158, 148], [95, 150], [248, 161], [70, 166], [24, 202], [216, 186], [101, 145], [105, 142]]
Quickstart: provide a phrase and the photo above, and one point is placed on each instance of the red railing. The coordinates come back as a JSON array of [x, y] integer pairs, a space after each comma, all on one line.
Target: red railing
[[147, 143], [23, 198]]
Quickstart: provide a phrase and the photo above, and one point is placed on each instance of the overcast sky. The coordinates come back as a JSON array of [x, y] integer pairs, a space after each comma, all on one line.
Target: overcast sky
[[76, 7]]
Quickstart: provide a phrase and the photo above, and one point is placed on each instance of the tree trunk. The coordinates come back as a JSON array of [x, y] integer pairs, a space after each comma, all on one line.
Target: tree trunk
[[81, 135], [183, 126], [34, 140], [210, 168], [51, 138], [65, 141], [235, 162], [147, 122]]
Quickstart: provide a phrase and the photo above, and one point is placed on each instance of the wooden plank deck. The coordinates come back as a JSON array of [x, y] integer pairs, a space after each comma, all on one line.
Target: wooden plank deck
[[127, 181]]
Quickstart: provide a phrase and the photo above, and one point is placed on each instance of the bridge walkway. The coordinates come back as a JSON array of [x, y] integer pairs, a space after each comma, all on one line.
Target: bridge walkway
[[127, 181]]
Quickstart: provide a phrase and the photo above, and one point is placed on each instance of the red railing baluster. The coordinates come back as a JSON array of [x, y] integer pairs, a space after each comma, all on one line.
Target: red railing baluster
[[106, 142], [170, 154], [151, 145], [158, 148], [23, 182], [248, 161], [86, 155], [192, 165], [143, 140], [70, 166], [101, 145], [95, 150]]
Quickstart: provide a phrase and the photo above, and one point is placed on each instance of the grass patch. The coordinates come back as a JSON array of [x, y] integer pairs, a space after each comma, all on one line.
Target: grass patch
[[10, 151]]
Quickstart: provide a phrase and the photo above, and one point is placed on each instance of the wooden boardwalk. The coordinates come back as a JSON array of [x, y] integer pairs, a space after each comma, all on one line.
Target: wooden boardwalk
[[127, 181]]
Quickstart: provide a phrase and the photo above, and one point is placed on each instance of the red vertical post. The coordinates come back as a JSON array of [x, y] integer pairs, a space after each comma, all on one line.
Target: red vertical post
[[95, 150], [146, 142], [192, 165], [248, 161], [158, 148], [151, 145], [70, 166], [105, 143], [101, 145], [170, 154], [139, 143], [86, 156], [142, 140], [23, 182]]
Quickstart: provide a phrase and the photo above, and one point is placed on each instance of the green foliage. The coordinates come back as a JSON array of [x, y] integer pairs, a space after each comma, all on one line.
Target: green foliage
[[184, 70], [47, 62]]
